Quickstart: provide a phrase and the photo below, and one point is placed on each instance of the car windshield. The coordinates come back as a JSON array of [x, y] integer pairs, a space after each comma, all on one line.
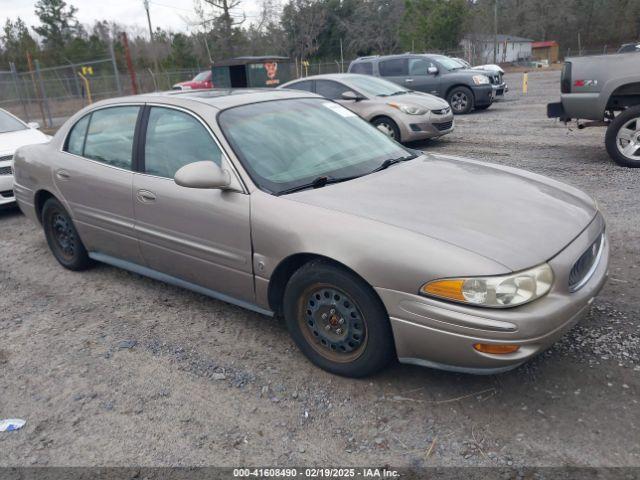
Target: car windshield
[[450, 63], [9, 123], [376, 87], [201, 77], [286, 144]]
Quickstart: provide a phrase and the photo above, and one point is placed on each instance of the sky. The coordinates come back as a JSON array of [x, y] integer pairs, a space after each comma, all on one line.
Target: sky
[[167, 14]]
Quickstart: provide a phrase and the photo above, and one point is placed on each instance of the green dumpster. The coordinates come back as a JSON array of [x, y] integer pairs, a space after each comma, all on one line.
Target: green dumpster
[[251, 72]]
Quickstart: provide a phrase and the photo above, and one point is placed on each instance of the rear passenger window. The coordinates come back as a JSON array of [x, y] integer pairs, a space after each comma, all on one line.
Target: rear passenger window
[[110, 136], [365, 68], [396, 67], [331, 90], [175, 139], [75, 141], [306, 85]]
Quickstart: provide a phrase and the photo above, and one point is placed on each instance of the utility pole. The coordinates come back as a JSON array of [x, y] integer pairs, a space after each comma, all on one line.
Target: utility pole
[[495, 31], [153, 45], [127, 56]]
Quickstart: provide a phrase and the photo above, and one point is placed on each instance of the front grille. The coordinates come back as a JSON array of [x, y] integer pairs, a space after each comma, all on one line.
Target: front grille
[[6, 158], [442, 111], [583, 269], [444, 125], [7, 194], [6, 171]]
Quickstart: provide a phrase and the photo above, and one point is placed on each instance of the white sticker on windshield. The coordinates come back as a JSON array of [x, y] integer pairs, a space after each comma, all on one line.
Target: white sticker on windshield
[[339, 109]]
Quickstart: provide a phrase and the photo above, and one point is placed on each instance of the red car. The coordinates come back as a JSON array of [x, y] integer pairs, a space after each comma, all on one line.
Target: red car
[[201, 80]]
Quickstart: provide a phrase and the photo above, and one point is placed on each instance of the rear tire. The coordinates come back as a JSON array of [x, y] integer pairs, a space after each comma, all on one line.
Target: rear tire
[[337, 320], [388, 126], [623, 138], [461, 100], [62, 237]]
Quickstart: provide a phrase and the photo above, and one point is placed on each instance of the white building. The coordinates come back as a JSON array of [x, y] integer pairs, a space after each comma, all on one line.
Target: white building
[[478, 49]]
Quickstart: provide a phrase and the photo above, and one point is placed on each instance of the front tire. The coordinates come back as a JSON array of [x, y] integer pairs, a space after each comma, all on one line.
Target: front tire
[[461, 100], [337, 320], [62, 237], [387, 126], [623, 138]]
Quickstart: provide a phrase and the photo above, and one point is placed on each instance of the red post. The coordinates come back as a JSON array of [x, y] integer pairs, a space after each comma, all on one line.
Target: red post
[[127, 56]]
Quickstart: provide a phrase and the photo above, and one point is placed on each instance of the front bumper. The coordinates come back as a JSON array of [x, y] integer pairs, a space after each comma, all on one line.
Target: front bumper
[[501, 89], [483, 95], [6, 184], [419, 128], [439, 334]]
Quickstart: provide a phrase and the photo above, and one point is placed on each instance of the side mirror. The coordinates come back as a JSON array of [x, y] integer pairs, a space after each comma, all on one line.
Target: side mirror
[[432, 70], [205, 174], [353, 96], [34, 125]]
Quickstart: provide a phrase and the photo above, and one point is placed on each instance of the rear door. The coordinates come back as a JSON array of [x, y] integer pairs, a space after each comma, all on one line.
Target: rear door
[[201, 236], [395, 70], [94, 175]]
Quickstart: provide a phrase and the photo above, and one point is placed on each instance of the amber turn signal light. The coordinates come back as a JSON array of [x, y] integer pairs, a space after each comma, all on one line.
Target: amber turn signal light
[[451, 289], [496, 349]]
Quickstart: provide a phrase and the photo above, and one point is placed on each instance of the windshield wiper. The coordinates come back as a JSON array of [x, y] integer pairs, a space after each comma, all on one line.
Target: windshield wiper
[[392, 161], [318, 182]]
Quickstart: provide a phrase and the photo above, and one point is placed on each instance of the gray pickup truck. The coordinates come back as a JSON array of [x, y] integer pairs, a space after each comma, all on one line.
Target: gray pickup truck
[[604, 90]]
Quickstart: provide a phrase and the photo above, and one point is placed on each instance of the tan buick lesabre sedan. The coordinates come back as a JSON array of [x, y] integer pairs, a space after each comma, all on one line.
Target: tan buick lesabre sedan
[[286, 203]]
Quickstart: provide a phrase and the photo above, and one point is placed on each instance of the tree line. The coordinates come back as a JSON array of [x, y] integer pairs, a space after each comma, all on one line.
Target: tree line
[[316, 30]]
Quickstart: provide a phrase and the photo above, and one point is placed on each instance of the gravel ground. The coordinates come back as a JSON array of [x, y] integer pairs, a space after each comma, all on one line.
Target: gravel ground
[[110, 368]]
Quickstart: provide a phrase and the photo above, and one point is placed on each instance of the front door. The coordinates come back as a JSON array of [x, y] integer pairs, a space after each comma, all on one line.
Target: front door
[[420, 79], [201, 236], [94, 175]]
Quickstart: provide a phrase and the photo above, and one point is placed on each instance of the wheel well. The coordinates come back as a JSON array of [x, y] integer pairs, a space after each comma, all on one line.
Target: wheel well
[[446, 97], [624, 96], [40, 198], [377, 117], [287, 267]]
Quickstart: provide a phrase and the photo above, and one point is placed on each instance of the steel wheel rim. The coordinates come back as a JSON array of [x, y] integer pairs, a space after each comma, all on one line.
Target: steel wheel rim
[[385, 128], [628, 139], [63, 235], [459, 101], [322, 307]]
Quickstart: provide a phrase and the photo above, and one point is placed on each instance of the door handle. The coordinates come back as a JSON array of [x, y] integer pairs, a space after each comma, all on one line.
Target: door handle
[[63, 174], [408, 80], [145, 196]]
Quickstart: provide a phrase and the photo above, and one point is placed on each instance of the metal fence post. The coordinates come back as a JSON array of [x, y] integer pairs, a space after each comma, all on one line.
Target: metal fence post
[[43, 93], [115, 66], [14, 75]]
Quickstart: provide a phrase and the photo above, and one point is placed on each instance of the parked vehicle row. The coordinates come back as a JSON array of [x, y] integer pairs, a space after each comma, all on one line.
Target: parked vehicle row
[[463, 88], [402, 114], [287, 203]]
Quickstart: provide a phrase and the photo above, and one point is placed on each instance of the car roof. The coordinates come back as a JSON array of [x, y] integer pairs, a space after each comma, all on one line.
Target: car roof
[[219, 98], [327, 76]]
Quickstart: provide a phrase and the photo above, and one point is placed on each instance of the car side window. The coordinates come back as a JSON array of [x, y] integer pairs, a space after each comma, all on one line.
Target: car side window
[[175, 139], [365, 68], [419, 66], [110, 136], [330, 89], [306, 85], [395, 67], [75, 140]]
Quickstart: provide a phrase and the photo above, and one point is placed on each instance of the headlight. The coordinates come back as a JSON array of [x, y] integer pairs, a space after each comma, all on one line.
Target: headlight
[[480, 79], [408, 109], [494, 292]]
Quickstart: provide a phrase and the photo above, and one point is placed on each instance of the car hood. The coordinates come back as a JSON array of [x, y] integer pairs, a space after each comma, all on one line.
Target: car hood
[[417, 99], [512, 217], [11, 141]]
